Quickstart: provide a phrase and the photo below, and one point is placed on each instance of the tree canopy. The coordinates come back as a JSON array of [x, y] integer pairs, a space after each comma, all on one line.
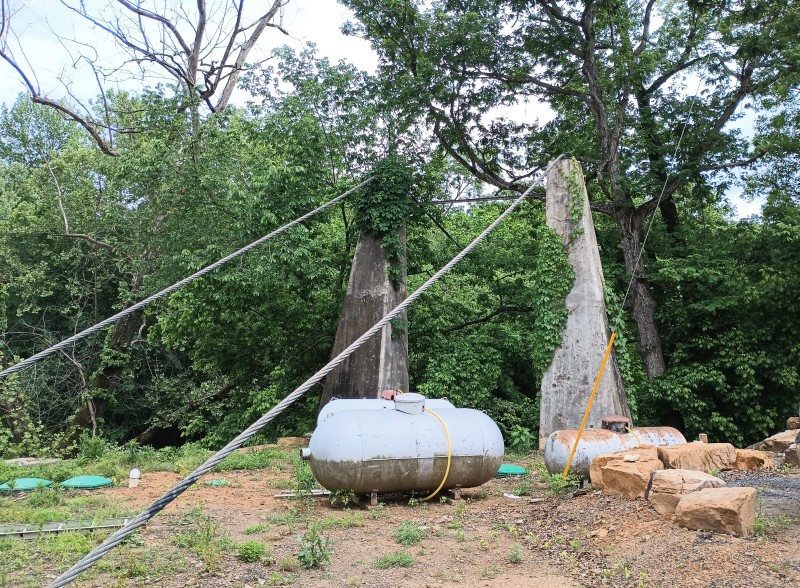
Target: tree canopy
[[645, 95]]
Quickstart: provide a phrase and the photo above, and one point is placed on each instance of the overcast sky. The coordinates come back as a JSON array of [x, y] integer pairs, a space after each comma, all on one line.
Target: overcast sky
[[40, 23]]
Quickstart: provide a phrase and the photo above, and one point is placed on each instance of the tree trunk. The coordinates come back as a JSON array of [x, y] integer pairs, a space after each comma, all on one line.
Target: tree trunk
[[107, 378], [640, 300]]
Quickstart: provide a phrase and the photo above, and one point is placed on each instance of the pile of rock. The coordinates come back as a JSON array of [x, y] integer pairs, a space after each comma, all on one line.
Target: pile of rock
[[787, 442], [676, 482]]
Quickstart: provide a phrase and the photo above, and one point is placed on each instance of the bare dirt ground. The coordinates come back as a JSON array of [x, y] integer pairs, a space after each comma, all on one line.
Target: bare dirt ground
[[489, 540]]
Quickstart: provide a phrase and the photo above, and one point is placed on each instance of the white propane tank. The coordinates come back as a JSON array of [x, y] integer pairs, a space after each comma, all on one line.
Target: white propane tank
[[598, 442], [404, 449], [339, 404]]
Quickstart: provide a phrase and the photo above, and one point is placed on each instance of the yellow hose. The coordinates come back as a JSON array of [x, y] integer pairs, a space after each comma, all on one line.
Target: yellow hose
[[634, 435], [449, 454], [589, 405]]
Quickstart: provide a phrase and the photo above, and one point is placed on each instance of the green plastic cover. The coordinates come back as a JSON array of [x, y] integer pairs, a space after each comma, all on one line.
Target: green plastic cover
[[509, 469], [24, 484], [87, 482]]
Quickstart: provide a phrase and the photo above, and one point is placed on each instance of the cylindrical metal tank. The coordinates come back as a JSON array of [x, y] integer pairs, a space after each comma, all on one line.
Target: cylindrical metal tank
[[339, 404], [393, 451], [596, 442]]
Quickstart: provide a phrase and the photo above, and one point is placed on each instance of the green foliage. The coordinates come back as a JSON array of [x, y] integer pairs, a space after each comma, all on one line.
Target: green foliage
[[256, 529], [486, 336], [515, 555], [558, 485], [302, 478], [315, 549], [252, 551], [408, 533], [521, 439], [765, 526], [349, 520], [729, 329], [384, 207], [44, 497], [397, 559], [341, 497], [203, 538]]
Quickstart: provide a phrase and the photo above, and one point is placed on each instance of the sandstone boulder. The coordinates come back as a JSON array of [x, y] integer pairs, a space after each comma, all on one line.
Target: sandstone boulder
[[628, 479], [780, 442], [667, 487], [793, 423], [702, 457], [645, 453], [722, 510], [749, 459]]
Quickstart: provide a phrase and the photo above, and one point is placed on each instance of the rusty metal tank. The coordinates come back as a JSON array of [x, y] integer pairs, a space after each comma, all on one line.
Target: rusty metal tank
[[339, 404], [404, 449], [596, 442]]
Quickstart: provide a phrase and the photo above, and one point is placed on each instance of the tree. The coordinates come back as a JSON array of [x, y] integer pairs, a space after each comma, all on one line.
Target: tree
[[202, 51], [621, 87]]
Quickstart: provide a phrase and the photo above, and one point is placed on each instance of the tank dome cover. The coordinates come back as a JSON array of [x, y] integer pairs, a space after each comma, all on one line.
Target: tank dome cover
[[410, 403]]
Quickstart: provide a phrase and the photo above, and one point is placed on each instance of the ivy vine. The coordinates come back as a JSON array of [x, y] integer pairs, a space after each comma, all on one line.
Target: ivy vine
[[383, 207], [575, 189]]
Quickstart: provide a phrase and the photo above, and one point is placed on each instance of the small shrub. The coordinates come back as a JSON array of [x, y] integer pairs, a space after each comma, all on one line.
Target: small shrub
[[408, 533], [398, 559], [516, 556], [256, 529], [349, 520], [771, 526], [342, 497], [521, 439], [251, 551], [559, 486], [290, 564], [203, 539], [524, 488], [91, 448], [43, 497], [314, 549]]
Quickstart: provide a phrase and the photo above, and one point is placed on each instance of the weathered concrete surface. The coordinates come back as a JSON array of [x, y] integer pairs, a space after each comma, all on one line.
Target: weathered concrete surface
[[567, 383], [382, 362]]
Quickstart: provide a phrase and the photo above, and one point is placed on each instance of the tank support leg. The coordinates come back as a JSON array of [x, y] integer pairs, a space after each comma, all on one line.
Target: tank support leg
[[454, 495], [373, 498]]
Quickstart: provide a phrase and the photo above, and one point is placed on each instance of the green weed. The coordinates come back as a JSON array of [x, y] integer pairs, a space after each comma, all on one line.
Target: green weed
[[314, 549], [765, 526], [252, 551], [203, 539], [349, 520], [408, 533], [397, 559], [256, 529]]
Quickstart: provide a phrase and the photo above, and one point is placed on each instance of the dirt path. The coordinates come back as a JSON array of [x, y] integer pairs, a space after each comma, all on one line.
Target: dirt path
[[488, 541]]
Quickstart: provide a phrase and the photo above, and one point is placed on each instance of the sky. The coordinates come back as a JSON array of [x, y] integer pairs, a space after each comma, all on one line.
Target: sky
[[60, 72]]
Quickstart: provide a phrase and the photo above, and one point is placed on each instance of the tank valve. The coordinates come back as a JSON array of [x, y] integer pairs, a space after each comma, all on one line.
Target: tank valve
[[618, 424], [305, 453]]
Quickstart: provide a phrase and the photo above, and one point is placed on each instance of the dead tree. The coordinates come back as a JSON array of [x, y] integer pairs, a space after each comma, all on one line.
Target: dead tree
[[202, 49]]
